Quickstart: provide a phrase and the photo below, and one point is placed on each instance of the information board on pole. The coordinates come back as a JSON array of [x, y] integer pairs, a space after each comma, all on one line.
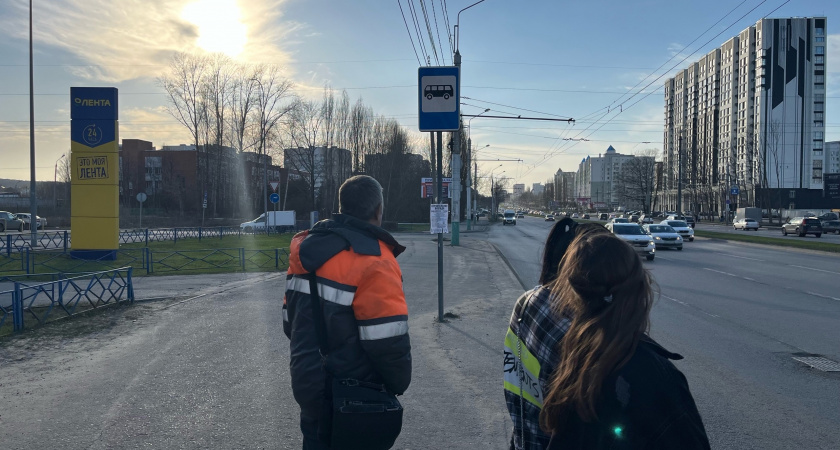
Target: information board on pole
[[439, 218]]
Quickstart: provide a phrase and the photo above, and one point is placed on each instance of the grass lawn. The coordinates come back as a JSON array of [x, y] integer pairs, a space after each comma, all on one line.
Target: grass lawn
[[810, 244], [187, 256]]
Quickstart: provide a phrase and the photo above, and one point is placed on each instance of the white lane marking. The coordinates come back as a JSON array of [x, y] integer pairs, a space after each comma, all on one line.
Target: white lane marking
[[741, 257], [686, 304], [812, 268], [822, 296], [729, 274]]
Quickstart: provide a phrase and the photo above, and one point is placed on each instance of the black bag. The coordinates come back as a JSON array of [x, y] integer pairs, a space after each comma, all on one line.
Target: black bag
[[359, 415]]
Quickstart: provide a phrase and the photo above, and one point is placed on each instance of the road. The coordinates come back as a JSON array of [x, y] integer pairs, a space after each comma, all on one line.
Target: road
[[738, 313], [774, 232]]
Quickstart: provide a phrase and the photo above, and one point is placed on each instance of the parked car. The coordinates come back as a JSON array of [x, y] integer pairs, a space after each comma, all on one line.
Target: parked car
[[746, 224], [636, 237], [9, 221], [664, 236], [681, 227], [549, 217], [40, 222], [803, 226], [831, 226]]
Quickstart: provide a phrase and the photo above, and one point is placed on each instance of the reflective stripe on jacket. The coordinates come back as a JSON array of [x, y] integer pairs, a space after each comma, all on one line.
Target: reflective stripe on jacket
[[360, 285]]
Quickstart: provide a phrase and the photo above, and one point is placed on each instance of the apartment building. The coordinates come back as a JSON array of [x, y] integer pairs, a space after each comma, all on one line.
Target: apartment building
[[750, 115]]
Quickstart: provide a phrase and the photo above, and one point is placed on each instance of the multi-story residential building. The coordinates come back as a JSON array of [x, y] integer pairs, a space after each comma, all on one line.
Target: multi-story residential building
[[564, 187], [537, 188], [832, 157], [598, 180], [749, 114], [518, 190]]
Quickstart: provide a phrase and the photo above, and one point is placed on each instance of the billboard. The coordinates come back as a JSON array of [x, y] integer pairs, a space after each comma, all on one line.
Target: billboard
[[831, 185]]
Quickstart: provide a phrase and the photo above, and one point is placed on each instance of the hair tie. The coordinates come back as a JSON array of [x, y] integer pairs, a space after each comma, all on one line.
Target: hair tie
[[608, 298]]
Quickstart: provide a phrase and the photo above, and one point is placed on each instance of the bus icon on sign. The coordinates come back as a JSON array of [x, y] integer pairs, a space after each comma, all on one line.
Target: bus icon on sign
[[433, 91]]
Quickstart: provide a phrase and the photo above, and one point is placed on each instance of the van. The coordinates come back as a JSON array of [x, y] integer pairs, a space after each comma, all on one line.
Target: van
[[509, 217]]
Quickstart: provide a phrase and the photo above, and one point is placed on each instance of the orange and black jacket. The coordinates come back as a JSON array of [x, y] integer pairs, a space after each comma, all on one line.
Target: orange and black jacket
[[364, 308]]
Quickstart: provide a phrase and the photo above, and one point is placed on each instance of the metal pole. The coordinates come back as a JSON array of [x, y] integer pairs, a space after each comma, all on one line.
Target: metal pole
[[438, 193], [469, 184], [679, 177], [265, 177], [33, 192]]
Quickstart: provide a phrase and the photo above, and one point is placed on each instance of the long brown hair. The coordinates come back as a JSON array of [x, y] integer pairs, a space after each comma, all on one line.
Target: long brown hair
[[608, 294]]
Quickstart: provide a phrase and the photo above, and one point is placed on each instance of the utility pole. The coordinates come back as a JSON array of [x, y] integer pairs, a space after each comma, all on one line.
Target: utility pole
[[439, 194], [456, 167], [33, 191]]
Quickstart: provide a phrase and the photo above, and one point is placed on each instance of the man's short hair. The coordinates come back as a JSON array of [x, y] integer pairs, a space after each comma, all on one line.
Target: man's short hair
[[359, 197]]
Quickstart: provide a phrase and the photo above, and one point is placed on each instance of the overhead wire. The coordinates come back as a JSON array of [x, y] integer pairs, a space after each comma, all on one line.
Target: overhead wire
[[420, 39], [409, 34], [429, 30], [437, 31], [446, 23]]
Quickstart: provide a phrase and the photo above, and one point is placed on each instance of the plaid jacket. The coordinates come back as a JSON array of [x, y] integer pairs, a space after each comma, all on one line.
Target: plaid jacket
[[531, 352]]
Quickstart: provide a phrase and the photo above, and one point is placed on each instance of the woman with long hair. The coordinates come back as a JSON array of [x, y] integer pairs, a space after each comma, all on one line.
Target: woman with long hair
[[534, 331], [614, 387]]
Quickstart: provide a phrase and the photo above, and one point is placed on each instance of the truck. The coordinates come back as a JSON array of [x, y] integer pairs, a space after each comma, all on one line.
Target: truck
[[748, 213], [277, 221]]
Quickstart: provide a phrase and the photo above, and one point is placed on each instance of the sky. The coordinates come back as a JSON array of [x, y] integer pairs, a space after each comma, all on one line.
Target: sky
[[600, 62]]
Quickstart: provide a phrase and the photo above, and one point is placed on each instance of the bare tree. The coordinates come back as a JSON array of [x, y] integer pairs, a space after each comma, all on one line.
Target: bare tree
[[637, 179], [274, 100]]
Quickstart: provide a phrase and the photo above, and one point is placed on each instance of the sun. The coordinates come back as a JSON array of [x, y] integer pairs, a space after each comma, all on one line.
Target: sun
[[219, 25]]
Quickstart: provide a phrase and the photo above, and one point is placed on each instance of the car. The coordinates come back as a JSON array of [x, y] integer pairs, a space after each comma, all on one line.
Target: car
[[41, 222], [9, 221], [619, 220], [549, 217], [633, 233], [803, 226], [604, 216], [664, 236], [831, 226], [681, 227], [585, 217], [575, 216], [509, 217], [746, 224]]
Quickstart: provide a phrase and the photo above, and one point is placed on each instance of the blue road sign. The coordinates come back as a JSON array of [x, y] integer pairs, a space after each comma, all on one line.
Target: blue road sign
[[275, 197], [735, 190], [438, 101]]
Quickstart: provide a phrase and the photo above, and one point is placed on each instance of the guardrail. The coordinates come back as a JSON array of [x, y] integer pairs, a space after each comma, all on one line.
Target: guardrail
[[70, 294]]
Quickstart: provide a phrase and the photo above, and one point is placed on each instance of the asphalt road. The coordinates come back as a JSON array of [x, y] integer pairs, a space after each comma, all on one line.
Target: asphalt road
[[773, 232], [738, 313]]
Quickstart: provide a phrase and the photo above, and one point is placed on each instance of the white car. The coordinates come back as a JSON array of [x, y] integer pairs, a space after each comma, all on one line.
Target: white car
[[664, 236], [636, 237], [746, 224], [40, 222], [575, 216], [682, 228]]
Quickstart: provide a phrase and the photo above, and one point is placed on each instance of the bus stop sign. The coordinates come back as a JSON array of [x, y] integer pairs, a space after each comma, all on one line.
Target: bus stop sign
[[438, 100]]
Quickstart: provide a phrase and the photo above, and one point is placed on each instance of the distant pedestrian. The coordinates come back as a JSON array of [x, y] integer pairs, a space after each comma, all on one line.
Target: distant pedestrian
[[614, 387], [534, 332], [361, 302]]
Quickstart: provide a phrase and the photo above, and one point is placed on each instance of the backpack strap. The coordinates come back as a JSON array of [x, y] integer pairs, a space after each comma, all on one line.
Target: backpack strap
[[318, 314]]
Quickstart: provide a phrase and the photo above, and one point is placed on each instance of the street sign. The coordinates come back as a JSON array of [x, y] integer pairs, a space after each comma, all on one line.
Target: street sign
[[427, 187], [141, 197], [274, 185], [204, 204], [438, 100], [439, 218], [728, 201], [274, 197], [735, 190]]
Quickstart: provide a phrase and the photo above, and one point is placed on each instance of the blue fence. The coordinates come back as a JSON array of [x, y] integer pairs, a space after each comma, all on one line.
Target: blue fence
[[47, 240], [69, 294]]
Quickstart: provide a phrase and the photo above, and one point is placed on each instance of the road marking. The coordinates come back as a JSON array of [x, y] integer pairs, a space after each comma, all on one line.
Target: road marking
[[686, 304], [822, 296], [741, 257], [729, 274], [811, 268]]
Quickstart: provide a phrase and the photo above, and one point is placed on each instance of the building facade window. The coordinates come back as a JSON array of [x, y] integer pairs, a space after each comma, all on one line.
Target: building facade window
[[819, 50]]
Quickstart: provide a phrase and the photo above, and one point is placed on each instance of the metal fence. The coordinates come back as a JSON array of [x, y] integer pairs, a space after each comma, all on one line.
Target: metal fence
[[46, 240], [34, 302], [220, 258]]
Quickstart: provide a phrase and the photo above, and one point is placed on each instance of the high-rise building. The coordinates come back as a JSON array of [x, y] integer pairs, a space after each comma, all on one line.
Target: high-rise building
[[750, 115], [599, 181], [832, 157]]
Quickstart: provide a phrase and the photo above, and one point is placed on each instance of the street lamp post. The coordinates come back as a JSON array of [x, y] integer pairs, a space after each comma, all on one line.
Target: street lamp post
[[33, 192], [264, 156]]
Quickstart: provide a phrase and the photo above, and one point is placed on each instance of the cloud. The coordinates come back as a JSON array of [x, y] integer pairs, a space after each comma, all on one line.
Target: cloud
[[129, 39]]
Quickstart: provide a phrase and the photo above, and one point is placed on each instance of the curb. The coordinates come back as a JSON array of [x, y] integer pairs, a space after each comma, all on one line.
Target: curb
[[510, 266]]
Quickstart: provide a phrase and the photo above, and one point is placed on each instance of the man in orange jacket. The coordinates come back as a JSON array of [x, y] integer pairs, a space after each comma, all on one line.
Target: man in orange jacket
[[363, 304]]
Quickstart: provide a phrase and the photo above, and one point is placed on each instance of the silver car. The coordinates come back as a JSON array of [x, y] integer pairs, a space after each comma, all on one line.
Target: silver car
[[680, 227], [664, 236], [41, 222], [9, 221], [746, 224]]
